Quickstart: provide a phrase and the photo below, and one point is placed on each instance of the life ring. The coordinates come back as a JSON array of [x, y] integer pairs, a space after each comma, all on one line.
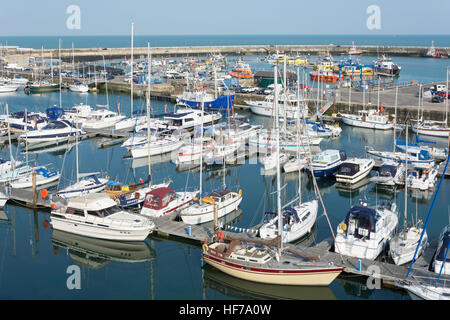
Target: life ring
[[205, 247], [343, 226], [117, 201]]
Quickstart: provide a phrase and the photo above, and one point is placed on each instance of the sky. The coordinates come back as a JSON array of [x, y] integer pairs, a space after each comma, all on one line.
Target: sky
[[235, 17]]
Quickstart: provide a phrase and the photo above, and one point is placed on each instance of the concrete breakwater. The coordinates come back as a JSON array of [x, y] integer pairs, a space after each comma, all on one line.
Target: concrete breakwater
[[96, 54]]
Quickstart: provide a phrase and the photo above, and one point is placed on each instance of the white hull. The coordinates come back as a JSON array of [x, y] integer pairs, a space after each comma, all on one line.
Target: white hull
[[27, 181], [307, 213], [434, 132], [355, 122], [402, 250], [357, 177], [82, 188], [89, 230], [199, 214], [156, 148]]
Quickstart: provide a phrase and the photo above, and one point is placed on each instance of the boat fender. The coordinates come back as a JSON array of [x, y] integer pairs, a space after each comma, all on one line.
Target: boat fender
[[205, 247], [343, 226], [137, 195], [240, 192], [117, 201]]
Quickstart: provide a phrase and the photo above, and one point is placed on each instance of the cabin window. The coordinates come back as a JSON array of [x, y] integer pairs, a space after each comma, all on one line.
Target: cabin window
[[151, 200], [188, 120], [167, 198], [75, 212]]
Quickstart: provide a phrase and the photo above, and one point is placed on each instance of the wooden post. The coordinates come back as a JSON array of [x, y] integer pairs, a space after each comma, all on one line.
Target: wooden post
[[33, 179]]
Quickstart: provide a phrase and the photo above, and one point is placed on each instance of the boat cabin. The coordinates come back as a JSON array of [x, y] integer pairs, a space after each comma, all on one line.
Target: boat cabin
[[159, 198], [348, 169], [387, 170], [361, 222], [329, 156]]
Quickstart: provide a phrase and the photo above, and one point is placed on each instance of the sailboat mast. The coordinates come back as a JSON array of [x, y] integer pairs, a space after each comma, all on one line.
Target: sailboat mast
[[446, 101], [277, 130], [395, 124], [149, 64], [106, 83], [298, 139], [201, 150], [418, 107], [132, 68], [60, 77], [9, 139], [76, 155], [406, 182]]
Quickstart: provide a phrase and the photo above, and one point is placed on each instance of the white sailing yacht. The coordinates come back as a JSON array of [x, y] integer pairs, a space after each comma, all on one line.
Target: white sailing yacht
[[404, 244], [249, 259], [223, 201]]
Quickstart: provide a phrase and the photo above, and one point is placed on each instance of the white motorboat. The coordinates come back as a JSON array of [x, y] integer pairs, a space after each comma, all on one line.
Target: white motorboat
[[354, 170], [161, 201], [8, 87], [128, 124], [80, 88], [297, 222], [366, 232], [19, 80], [265, 107], [98, 216], [78, 114], [441, 262], [367, 119], [390, 173], [188, 119], [422, 179], [386, 67], [101, 119], [327, 162], [202, 210], [55, 131], [426, 291]]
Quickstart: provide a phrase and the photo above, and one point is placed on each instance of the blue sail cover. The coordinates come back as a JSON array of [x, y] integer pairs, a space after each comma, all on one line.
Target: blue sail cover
[[445, 241], [223, 102], [54, 113], [365, 216]]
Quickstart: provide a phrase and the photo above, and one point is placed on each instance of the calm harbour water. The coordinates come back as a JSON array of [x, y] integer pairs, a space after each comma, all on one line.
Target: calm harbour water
[[34, 259]]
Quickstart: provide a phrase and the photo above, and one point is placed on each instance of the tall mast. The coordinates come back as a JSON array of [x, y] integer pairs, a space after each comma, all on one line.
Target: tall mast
[[418, 107], [9, 139], [201, 150], [406, 182], [73, 61], [378, 95], [277, 130], [446, 100], [149, 64], [60, 77], [76, 155], [395, 124], [298, 139], [132, 67], [285, 93], [106, 83]]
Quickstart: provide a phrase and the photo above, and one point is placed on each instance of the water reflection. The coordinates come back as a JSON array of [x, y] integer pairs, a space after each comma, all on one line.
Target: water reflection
[[95, 253], [232, 287]]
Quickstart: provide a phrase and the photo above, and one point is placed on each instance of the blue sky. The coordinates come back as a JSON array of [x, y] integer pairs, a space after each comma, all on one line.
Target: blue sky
[[170, 17]]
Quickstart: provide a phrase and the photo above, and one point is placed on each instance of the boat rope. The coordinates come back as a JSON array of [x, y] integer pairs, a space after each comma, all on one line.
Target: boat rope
[[428, 218]]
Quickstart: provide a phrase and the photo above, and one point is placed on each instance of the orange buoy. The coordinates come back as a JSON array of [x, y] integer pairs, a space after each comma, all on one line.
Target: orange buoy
[[54, 206], [45, 224], [56, 252], [44, 193]]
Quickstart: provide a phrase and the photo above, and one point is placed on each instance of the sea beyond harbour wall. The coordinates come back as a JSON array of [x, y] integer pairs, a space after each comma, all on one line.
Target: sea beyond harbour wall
[[95, 54]]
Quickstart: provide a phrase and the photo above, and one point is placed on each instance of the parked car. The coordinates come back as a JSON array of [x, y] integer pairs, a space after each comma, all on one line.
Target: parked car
[[437, 99], [443, 94], [248, 89]]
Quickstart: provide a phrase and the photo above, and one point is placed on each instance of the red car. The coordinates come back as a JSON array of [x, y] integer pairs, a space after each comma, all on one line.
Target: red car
[[443, 94]]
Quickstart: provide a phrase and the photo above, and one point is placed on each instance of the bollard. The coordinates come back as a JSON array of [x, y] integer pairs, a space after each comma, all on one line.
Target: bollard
[[359, 264], [189, 230]]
